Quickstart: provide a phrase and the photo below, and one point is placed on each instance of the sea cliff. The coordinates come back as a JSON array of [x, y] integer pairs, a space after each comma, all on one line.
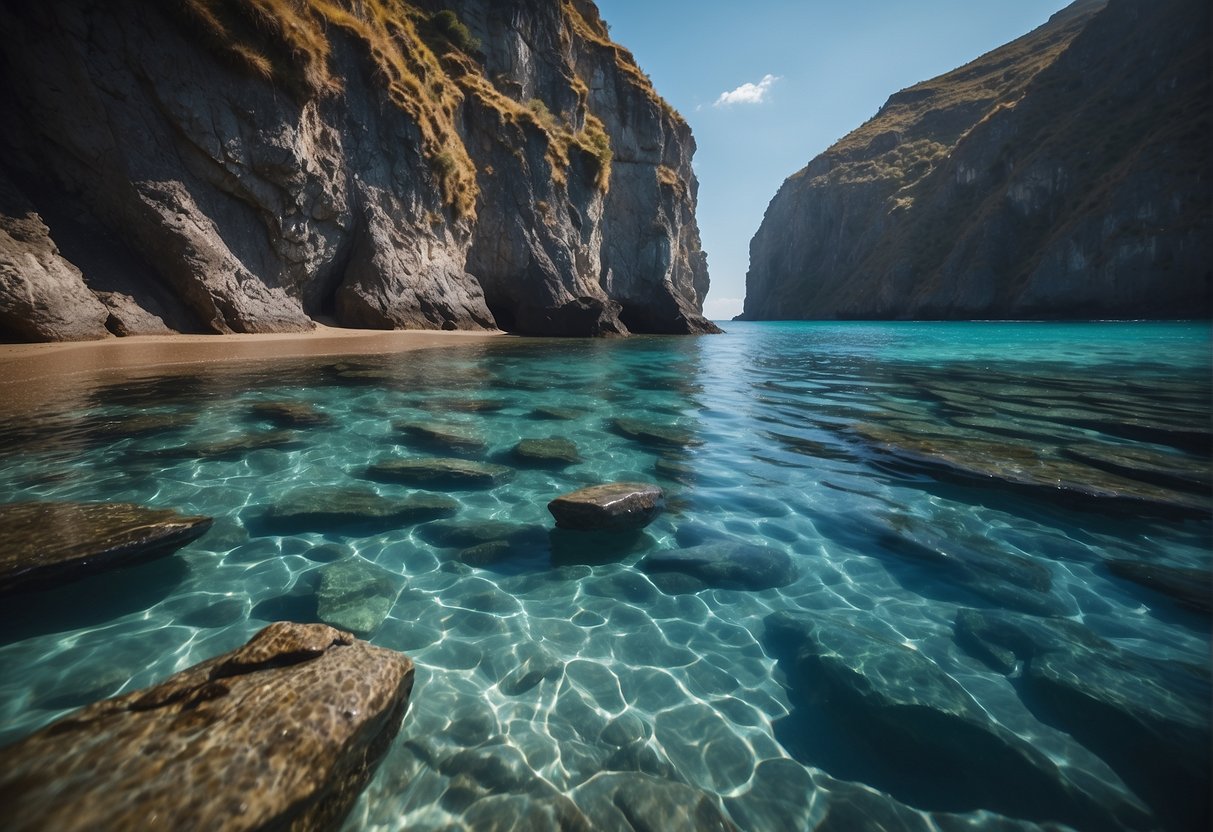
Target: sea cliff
[[1063, 175], [256, 165]]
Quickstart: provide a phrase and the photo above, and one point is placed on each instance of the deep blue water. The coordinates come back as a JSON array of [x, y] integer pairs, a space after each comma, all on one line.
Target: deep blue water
[[964, 506]]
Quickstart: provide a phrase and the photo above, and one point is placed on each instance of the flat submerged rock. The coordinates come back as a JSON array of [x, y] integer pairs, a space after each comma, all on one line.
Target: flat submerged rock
[[282, 733], [321, 508], [724, 565], [439, 472], [47, 543], [613, 506]]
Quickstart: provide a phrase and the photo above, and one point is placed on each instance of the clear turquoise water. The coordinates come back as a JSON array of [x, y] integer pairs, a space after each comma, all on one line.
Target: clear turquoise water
[[877, 455]]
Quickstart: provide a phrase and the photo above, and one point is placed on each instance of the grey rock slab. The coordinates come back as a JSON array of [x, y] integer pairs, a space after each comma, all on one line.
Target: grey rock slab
[[1192, 588], [611, 506], [554, 451], [653, 433], [723, 565], [323, 508], [439, 472], [451, 436], [43, 544], [282, 733], [356, 595], [892, 698]]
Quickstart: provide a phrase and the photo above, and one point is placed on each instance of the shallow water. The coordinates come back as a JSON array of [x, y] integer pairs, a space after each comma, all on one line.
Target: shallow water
[[911, 471]]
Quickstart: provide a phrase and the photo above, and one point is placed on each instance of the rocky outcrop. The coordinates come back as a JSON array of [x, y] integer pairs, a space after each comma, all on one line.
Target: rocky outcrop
[[44, 544], [242, 166], [1064, 175], [612, 506], [281, 733]]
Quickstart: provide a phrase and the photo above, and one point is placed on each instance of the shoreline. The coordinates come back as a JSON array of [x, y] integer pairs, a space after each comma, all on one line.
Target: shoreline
[[32, 374]]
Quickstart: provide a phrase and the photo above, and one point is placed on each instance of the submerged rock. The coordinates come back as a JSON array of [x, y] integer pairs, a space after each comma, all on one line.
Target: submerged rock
[[43, 544], [322, 508], [287, 414], [457, 437], [899, 705], [1193, 588], [724, 565], [632, 800], [617, 505], [234, 448], [439, 472], [281, 733], [546, 413], [554, 451], [653, 434], [1148, 718], [356, 595]]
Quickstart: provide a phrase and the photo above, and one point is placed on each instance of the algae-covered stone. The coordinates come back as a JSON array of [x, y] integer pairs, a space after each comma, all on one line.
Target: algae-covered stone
[[457, 437], [356, 595], [616, 505], [281, 733], [439, 472], [323, 508], [653, 434], [46, 543], [554, 451]]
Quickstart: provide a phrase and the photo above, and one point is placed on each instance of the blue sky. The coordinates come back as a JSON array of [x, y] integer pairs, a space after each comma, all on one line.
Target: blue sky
[[829, 66]]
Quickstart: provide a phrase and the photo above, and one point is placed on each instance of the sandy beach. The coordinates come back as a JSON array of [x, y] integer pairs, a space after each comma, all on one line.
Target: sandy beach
[[31, 374]]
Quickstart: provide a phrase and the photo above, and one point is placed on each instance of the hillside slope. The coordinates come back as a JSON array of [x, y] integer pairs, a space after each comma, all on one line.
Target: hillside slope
[[1064, 175], [253, 165]]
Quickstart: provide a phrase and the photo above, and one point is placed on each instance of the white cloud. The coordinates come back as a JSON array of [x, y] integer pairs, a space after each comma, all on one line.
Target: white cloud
[[747, 93], [722, 309]]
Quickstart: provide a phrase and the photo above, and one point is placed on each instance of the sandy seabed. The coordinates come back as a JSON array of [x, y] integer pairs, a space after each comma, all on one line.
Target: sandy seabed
[[32, 374]]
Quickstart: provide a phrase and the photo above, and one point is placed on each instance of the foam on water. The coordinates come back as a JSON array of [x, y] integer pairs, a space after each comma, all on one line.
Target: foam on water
[[905, 468]]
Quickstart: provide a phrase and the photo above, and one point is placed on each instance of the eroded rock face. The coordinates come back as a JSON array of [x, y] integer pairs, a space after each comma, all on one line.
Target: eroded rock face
[[613, 506], [46, 543], [281, 733], [183, 170], [1063, 175]]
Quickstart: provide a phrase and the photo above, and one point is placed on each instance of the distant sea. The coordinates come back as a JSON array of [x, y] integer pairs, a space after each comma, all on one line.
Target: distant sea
[[999, 539]]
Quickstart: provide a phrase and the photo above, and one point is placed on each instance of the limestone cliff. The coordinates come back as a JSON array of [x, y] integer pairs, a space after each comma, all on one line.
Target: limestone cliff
[[1064, 175], [254, 165]]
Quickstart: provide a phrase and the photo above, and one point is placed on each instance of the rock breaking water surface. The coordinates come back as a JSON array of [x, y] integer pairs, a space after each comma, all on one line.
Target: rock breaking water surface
[[965, 569]]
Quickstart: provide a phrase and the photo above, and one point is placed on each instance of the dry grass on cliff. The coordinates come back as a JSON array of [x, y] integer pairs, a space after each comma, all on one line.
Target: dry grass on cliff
[[424, 68], [255, 32]]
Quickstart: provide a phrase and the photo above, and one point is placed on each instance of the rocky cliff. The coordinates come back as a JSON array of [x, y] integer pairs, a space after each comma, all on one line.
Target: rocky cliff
[[255, 165], [1064, 175]]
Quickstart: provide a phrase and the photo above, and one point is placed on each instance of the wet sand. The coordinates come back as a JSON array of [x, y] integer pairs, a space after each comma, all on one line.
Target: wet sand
[[31, 374]]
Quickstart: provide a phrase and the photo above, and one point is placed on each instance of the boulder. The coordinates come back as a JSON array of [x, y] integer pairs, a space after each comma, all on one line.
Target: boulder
[[47, 543], [544, 452], [282, 733], [723, 565], [356, 595], [439, 472], [324, 508], [615, 506], [633, 800]]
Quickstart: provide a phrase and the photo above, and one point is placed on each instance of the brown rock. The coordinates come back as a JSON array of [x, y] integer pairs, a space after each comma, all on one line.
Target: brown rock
[[281, 733], [47, 543], [615, 506]]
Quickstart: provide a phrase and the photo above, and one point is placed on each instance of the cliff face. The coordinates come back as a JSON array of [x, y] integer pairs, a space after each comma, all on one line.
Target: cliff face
[[252, 165], [1064, 175]]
